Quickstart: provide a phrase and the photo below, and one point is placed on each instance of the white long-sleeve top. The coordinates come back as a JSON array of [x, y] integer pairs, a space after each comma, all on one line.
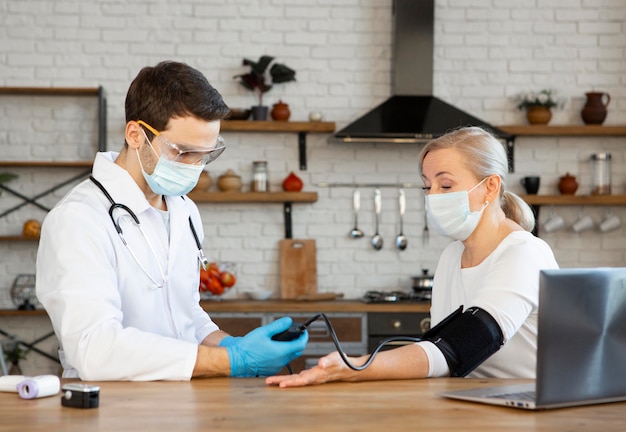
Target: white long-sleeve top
[[505, 284], [111, 320]]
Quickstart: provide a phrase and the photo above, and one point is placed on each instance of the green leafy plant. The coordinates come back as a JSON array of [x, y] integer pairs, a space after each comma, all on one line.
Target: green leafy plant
[[545, 98], [261, 80], [6, 177], [13, 352]]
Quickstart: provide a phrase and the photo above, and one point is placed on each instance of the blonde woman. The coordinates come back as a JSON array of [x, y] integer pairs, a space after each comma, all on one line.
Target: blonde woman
[[490, 270]]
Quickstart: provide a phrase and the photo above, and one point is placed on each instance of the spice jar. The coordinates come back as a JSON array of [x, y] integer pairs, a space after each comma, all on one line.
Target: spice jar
[[601, 174], [259, 177]]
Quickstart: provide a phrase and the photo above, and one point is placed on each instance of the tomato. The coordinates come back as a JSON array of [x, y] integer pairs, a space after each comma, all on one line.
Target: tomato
[[228, 279], [215, 286]]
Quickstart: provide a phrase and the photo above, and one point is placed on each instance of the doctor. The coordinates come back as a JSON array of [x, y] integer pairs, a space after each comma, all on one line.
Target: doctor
[[119, 256]]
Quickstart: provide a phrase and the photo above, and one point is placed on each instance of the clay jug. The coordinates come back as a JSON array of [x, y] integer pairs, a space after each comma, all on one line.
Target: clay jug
[[594, 111], [280, 111], [568, 184], [229, 182]]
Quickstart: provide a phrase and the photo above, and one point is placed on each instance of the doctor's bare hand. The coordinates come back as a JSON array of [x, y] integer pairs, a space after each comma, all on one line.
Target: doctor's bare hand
[[256, 354]]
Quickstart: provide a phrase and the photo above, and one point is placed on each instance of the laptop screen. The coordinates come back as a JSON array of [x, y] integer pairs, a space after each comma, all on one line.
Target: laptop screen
[[581, 346]]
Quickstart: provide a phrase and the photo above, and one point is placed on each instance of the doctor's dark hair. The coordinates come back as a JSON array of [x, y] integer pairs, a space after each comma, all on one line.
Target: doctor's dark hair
[[172, 89], [485, 156]]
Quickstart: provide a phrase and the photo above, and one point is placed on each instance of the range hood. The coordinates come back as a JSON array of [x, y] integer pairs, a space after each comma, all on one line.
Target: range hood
[[412, 114]]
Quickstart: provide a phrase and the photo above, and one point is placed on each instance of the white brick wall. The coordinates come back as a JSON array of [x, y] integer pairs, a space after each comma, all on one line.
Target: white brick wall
[[485, 52]]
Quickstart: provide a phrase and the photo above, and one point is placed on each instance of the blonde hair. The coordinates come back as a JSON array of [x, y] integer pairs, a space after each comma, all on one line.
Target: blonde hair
[[485, 156]]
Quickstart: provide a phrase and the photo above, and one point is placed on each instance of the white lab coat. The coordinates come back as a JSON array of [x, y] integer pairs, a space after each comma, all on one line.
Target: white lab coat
[[111, 321]]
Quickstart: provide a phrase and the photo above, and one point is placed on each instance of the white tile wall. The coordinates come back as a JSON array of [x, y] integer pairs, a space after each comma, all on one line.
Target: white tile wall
[[486, 51]]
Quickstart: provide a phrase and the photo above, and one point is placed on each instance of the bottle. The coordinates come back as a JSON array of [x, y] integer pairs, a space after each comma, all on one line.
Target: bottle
[[601, 174], [259, 177]]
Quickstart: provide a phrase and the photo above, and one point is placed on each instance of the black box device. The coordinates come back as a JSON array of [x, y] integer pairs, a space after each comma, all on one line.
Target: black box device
[[79, 395]]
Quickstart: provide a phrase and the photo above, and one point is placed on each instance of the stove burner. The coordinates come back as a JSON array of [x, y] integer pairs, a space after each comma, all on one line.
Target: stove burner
[[390, 297]]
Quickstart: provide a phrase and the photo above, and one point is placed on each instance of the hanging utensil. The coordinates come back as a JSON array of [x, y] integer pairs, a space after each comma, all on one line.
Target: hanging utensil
[[401, 240], [377, 240], [356, 205]]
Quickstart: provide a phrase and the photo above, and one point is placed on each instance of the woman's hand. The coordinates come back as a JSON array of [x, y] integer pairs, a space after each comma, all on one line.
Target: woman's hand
[[329, 368]]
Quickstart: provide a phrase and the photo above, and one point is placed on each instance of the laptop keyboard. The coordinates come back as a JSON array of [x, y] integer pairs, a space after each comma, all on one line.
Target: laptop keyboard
[[521, 396]]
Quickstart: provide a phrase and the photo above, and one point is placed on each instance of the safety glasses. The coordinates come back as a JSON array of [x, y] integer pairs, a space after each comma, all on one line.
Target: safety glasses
[[184, 154]]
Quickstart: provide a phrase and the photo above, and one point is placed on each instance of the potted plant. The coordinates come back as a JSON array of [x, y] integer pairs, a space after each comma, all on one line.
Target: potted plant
[[538, 105], [13, 353], [261, 78]]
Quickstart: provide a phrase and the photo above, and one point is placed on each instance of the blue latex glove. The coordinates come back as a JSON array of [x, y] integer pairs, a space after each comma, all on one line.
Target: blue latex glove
[[256, 354], [229, 340]]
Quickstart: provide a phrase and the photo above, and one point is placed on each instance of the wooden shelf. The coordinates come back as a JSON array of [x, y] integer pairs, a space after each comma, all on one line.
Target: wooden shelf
[[253, 197], [277, 126], [575, 130], [49, 91], [301, 128], [47, 164], [18, 238], [537, 200]]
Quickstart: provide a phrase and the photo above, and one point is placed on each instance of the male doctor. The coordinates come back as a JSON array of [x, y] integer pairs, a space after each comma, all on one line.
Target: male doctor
[[119, 255]]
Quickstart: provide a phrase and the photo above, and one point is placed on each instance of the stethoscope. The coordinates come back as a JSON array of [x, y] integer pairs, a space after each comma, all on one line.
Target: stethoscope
[[201, 257]]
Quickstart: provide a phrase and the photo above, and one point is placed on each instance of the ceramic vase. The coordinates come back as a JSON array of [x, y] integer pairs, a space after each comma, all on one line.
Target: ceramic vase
[[568, 184], [538, 115], [594, 111], [280, 111]]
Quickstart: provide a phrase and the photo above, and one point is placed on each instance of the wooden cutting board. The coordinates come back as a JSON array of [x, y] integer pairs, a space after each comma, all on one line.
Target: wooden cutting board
[[298, 268]]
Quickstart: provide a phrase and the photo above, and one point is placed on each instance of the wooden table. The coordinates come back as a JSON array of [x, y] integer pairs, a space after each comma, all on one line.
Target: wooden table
[[250, 405]]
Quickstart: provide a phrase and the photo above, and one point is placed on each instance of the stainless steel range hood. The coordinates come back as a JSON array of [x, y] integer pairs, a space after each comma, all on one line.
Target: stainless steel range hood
[[412, 114]]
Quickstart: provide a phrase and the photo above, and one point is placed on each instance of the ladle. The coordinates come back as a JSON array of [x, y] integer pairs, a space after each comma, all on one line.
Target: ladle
[[401, 240], [356, 204], [377, 240]]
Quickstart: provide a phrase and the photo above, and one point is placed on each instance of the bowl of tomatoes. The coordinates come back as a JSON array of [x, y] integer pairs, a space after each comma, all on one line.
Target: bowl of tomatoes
[[216, 280]]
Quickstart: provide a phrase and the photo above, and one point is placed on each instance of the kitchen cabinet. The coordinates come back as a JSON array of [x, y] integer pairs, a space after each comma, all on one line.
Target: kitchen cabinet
[[301, 128]]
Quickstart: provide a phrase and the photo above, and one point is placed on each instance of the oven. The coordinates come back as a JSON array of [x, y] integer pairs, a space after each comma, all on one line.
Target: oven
[[383, 325]]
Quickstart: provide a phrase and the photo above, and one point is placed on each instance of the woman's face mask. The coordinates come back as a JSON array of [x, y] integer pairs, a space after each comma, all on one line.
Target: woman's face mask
[[450, 215], [169, 177]]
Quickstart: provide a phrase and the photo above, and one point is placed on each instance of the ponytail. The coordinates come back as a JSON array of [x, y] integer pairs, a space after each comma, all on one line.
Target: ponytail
[[518, 210]]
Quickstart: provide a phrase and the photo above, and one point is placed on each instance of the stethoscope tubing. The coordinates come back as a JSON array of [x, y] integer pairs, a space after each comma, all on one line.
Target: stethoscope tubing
[[114, 206]]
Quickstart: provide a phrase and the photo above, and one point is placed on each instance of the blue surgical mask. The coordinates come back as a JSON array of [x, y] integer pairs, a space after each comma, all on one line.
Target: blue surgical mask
[[450, 215], [171, 178]]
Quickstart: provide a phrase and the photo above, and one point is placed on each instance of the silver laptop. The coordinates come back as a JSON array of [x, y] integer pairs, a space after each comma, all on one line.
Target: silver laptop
[[581, 346]]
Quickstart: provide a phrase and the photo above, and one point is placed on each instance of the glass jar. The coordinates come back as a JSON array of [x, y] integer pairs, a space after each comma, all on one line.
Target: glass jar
[[601, 174], [259, 177]]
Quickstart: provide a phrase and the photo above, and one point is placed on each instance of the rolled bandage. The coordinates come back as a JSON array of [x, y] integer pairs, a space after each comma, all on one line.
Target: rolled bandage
[[39, 386]]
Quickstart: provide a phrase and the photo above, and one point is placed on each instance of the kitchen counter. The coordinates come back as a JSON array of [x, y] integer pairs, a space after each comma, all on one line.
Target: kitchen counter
[[311, 306], [282, 306], [248, 404]]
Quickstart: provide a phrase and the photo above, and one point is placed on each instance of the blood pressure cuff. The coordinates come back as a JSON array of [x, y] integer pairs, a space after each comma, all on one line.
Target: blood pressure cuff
[[466, 339]]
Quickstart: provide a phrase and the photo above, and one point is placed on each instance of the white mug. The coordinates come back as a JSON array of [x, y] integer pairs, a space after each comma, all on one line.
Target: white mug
[[583, 223], [554, 223], [610, 223]]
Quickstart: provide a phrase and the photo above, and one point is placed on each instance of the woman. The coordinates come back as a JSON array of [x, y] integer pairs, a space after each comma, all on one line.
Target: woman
[[492, 266]]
